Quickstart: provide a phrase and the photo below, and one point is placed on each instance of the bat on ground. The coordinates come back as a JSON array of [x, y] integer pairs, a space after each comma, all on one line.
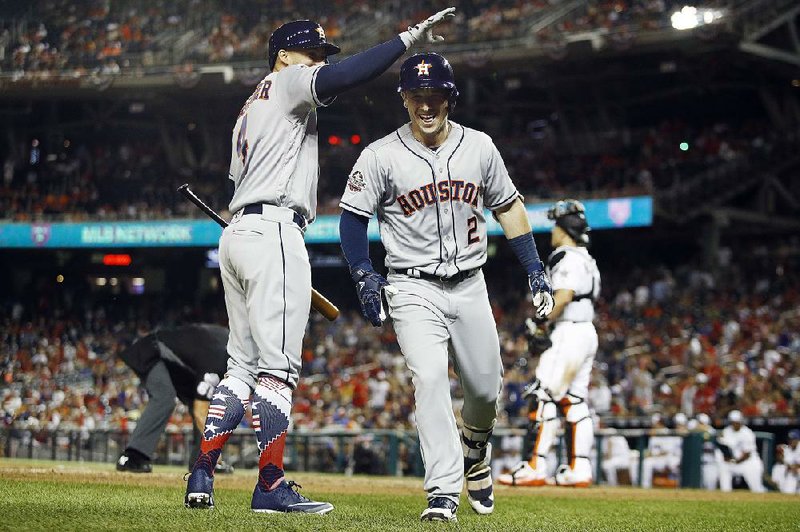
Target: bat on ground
[[321, 303]]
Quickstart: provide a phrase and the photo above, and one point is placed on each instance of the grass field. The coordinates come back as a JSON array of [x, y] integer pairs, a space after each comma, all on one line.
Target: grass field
[[37, 495]]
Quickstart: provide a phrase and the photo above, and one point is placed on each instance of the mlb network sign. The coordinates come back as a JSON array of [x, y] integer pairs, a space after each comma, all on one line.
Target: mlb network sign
[[601, 214]]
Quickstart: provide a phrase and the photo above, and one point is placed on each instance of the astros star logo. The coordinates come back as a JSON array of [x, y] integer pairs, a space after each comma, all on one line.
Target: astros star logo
[[321, 32], [423, 68]]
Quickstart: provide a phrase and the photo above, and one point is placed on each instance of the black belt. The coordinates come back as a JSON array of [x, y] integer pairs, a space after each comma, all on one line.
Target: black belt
[[257, 208], [453, 279]]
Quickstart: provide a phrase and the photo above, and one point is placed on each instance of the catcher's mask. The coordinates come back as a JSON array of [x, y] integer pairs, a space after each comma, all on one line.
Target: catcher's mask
[[428, 71], [298, 35], [570, 215]]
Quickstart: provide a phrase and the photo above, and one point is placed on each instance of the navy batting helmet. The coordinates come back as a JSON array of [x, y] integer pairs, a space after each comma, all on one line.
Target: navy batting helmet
[[570, 215], [298, 35], [428, 71]]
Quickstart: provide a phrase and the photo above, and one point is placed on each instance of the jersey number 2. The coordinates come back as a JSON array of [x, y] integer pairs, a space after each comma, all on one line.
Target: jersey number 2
[[472, 230], [241, 140]]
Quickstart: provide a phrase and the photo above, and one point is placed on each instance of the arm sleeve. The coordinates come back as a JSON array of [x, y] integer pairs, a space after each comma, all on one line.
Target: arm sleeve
[[499, 190], [333, 80], [355, 245]]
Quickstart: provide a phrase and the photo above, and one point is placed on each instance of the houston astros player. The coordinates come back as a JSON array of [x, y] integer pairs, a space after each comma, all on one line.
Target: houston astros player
[[263, 260], [429, 182], [562, 375]]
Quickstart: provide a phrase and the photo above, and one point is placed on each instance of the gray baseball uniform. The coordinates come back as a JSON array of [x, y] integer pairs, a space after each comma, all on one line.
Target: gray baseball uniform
[[430, 207], [274, 163]]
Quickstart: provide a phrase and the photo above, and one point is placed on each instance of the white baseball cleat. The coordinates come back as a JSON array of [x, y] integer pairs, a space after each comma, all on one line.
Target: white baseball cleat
[[523, 475], [570, 478]]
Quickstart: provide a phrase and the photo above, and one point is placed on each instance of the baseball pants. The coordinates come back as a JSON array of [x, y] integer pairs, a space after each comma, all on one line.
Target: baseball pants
[[267, 279], [429, 317], [751, 470]]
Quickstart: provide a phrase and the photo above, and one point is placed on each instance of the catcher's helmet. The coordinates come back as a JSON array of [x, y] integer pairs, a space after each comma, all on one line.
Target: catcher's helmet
[[297, 35], [428, 71], [570, 215]]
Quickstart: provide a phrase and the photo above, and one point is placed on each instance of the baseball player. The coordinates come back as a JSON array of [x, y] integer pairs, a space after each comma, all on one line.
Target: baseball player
[[663, 450], [184, 362], [739, 455], [264, 264], [429, 182], [616, 455], [562, 375], [784, 471], [702, 424]]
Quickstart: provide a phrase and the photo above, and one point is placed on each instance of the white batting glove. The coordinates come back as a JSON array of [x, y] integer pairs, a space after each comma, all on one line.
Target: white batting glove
[[543, 302], [424, 30], [205, 388]]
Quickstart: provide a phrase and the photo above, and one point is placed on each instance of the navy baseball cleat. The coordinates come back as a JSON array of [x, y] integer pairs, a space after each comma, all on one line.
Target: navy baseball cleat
[[199, 490], [286, 499], [440, 509]]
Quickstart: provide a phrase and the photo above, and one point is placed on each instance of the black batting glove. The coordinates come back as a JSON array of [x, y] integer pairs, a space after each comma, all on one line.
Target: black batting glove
[[369, 284]]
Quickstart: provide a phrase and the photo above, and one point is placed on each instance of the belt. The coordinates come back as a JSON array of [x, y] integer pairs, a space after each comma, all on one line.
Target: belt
[[259, 208], [453, 279]]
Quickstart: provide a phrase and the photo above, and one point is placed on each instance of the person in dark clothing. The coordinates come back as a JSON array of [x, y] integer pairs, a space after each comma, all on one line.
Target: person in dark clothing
[[186, 362]]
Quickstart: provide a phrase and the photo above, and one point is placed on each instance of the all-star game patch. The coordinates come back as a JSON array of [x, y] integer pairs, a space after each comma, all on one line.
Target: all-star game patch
[[356, 182]]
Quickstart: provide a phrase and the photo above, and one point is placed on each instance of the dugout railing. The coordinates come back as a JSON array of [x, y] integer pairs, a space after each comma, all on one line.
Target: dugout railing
[[376, 452]]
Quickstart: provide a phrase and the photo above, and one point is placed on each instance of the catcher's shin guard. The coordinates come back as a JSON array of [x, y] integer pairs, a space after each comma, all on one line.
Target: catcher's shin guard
[[529, 439], [579, 434], [545, 435], [477, 455]]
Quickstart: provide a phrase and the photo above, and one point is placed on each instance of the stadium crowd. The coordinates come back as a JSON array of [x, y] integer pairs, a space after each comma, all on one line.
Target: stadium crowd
[[97, 179], [671, 341], [57, 37]]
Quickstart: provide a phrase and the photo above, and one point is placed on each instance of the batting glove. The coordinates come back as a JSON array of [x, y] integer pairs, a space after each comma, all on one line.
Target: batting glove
[[369, 284], [205, 388], [424, 30], [542, 292]]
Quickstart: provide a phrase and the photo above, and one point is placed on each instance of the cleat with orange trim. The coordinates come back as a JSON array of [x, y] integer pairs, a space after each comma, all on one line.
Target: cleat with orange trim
[[523, 475], [570, 478]]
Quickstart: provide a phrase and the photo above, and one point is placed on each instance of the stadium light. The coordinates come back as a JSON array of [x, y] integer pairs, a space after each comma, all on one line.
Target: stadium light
[[691, 17], [684, 146]]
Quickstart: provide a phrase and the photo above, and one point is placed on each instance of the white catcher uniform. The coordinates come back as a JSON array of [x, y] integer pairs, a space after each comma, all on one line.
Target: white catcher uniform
[[430, 207], [263, 258], [740, 442], [565, 368]]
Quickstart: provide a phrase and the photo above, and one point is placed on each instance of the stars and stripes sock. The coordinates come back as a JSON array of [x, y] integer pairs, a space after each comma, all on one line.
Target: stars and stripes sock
[[272, 404], [226, 410]]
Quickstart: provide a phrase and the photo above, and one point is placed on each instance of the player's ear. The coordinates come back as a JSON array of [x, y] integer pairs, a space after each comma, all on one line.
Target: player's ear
[[283, 57]]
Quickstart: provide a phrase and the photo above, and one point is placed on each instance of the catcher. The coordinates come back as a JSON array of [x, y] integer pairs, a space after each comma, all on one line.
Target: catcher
[[562, 375]]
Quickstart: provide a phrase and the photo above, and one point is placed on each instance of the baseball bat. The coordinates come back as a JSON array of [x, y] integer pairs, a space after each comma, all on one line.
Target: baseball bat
[[321, 303]]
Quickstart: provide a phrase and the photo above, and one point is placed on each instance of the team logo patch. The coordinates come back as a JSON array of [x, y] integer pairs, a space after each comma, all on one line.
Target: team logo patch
[[321, 32], [423, 68], [356, 182]]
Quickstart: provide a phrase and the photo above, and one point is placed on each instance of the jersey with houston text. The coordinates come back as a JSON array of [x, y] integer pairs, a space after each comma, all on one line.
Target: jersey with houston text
[[572, 268], [274, 155], [430, 203]]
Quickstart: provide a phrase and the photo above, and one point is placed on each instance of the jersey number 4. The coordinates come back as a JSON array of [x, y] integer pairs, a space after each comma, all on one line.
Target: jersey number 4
[[241, 140], [472, 230]]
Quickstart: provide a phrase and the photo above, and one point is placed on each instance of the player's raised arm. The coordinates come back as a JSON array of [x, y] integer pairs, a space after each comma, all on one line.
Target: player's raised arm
[[367, 65]]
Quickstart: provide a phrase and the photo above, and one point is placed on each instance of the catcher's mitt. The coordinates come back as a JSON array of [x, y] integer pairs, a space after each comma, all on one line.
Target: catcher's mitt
[[538, 336]]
